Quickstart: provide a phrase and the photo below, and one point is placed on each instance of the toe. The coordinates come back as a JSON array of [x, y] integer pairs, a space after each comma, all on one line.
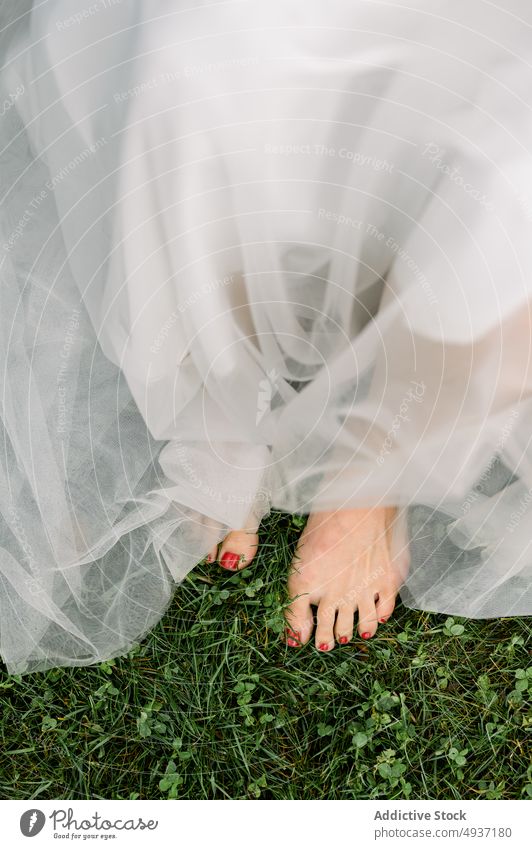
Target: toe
[[210, 557], [344, 624], [238, 550], [299, 621], [324, 638], [367, 616], [386, 603]]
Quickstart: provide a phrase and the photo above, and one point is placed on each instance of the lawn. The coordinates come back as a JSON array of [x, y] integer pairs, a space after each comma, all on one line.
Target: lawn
[[213, 705]]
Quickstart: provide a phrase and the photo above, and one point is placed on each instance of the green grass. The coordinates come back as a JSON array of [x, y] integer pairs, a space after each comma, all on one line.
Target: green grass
[[213, 705]]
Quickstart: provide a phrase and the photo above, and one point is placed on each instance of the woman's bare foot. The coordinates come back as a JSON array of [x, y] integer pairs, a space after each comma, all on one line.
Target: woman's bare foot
[[237, 549], [343, 564]]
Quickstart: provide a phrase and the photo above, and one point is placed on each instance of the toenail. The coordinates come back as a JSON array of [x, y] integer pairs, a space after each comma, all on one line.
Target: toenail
[[293, 638], [324, 647], [343, 640], [384, 619], [230, 560], [366, 635]]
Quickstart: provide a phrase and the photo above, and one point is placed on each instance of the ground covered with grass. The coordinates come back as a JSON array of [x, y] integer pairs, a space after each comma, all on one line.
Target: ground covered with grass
[[213, 705]]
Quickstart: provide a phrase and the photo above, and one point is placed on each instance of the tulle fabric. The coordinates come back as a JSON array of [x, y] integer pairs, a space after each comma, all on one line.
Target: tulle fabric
[[254, 256]]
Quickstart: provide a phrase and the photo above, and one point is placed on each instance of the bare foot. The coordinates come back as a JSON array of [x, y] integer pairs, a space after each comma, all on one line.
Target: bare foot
[[343, 564], [237, 550]]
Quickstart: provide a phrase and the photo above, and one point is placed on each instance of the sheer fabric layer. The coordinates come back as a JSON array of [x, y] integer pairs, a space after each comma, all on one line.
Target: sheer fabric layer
[[256, 256]]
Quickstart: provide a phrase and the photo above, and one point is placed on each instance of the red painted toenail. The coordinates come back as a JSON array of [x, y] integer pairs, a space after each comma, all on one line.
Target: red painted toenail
[[293, 638], [230, 560], [366, 635], [383, 620], [344, 640], [324, 646]]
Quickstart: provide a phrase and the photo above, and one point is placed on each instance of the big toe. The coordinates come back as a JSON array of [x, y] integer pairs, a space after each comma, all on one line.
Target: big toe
[[238, 550], [386, 602]]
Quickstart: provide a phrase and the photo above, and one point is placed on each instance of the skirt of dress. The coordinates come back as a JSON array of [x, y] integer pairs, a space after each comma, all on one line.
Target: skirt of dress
[[252, 256]]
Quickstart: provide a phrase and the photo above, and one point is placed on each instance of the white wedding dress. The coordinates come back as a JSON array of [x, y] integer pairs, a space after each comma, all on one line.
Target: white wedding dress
[[253, 256]]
